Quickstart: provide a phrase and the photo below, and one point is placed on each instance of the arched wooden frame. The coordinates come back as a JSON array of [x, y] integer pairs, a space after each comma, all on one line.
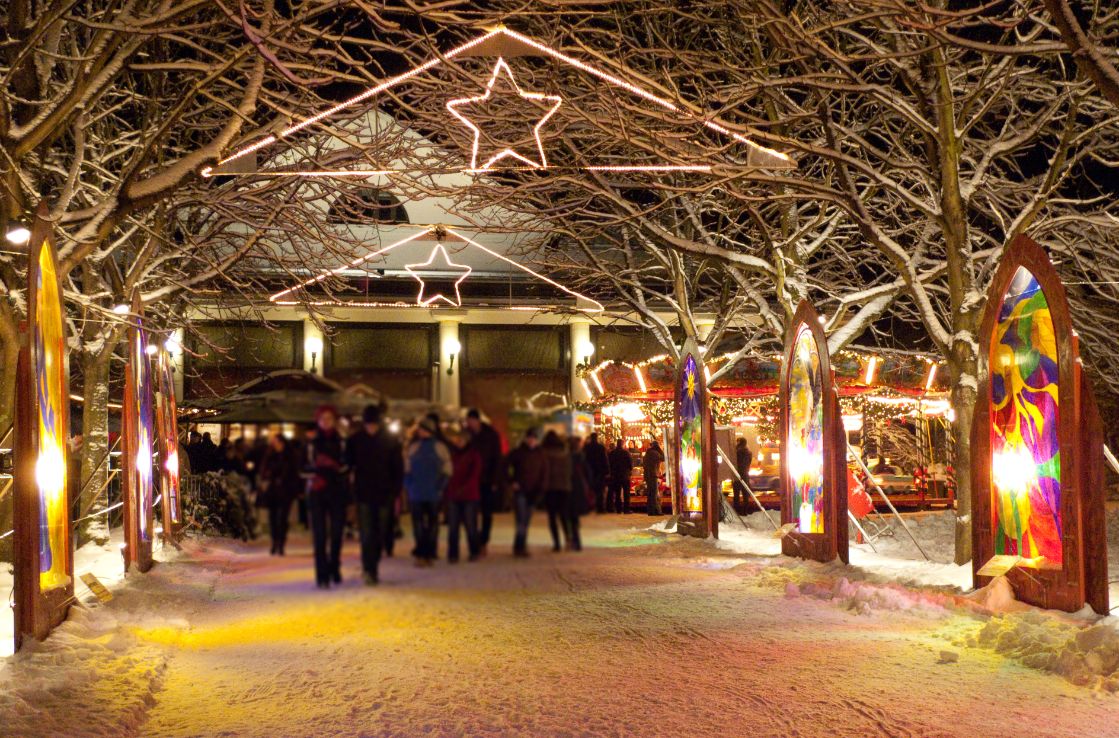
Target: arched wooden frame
[[706, 520], [137, 434], [832, 542], [42, 517], [167, 421], [1081, 576]]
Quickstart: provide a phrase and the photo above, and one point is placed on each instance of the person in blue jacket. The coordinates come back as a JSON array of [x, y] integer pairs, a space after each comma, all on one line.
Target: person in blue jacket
[[427, 468]]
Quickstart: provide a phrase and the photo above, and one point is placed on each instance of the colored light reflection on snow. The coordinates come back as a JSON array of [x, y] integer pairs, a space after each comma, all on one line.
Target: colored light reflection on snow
[[806, 434], [1025, 453], [50, 464], [691, 438]]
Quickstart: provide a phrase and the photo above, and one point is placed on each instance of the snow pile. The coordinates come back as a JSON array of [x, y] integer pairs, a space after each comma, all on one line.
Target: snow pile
[[863, 598], [935, 531], [1087, 656]]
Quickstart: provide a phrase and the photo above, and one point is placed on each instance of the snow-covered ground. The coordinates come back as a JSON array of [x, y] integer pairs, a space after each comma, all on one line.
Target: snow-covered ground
[[643, 633]]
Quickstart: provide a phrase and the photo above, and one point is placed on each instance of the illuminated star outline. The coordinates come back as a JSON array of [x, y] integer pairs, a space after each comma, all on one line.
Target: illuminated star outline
[[439, 249], [498, 68]]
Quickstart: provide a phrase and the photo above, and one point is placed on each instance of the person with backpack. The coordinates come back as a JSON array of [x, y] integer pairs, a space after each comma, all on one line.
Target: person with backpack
[[427, 468]]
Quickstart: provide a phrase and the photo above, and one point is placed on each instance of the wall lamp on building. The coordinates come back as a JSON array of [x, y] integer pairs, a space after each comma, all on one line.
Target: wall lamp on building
[[586, 352], [452, 348], [18, 235], [313, 344]]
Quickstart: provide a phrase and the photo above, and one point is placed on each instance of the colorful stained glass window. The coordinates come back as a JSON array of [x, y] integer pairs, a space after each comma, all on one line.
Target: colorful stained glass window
[[691, 438], [50, 464], [805, 442], [142, 441], [1025, 453], [169, 446]]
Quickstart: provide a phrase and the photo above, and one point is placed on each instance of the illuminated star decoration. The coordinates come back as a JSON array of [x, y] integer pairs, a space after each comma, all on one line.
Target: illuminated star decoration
[[454, 105], [447, 265]]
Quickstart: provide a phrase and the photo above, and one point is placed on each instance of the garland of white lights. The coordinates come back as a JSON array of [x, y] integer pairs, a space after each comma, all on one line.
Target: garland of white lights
[[421, 300], [438, 250], [709, 123]]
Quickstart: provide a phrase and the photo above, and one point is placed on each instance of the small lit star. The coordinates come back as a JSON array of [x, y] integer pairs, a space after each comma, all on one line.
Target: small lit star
[[444, 265]]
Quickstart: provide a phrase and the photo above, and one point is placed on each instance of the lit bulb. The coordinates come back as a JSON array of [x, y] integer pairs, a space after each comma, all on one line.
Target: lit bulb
[[452, 346], [18, 236], [50, 469], [120, 309], [171, 345], [150, 349], [313, 344], [586, 348]]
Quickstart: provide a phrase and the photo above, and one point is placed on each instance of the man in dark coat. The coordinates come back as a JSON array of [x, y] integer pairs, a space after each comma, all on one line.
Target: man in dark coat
[[598, 469], [376, 461], [327, 496], [526, 472], [742, 460], [650, 469], [621, 465], [487, 442]]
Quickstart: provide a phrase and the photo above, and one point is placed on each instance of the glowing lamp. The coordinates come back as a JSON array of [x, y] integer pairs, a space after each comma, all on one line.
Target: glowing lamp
[[151, 349], [586, 350], [172, 464], [313, 344], [1013, 470], [121, 309], [171, 345], [18, 236], [50, 470]]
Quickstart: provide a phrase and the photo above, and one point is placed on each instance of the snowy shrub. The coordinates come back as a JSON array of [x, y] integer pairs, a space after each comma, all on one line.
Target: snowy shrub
[[221, 507]]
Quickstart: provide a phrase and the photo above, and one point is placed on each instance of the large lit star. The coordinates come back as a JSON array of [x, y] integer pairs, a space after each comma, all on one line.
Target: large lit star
[[445, 265], [499, 68]]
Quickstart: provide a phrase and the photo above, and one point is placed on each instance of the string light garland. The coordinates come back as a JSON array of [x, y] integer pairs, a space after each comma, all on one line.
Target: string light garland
[[593, 306], [499, 68], [775, 158], [439, 251]]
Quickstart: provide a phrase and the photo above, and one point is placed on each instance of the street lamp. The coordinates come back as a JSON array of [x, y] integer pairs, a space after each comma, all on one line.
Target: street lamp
[[313, 344]]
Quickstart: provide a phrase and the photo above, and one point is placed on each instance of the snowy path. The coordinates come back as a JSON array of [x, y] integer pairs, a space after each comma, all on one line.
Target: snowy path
[[641, 634]]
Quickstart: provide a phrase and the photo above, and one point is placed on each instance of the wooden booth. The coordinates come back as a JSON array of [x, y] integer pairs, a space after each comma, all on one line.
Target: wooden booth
[[813, 446], [44, 557], [137, 434], [1037, 444], [695, 492]]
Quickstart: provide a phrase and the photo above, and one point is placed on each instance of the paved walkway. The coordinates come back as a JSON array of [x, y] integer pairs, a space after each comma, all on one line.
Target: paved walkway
[[638, 635]]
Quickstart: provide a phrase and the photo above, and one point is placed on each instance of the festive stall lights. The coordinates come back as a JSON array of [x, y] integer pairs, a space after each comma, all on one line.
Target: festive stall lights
[[640, 379], [597, 383], [932, 377], [586, 387], [871, 366], [627, 412], [852, 422]]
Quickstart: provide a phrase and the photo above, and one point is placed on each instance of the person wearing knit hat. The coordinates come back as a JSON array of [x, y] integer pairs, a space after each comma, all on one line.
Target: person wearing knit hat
[[326, 495]]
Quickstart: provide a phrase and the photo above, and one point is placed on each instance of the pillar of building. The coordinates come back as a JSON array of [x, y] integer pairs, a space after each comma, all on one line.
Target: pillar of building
[[313, 347], [703, 327], [447, 385], [582, 352], [178, 363]]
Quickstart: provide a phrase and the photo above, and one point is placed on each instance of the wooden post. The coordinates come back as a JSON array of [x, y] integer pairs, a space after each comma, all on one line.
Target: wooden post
[[43, 547], [1037, 441], [809, 407], [167, 421]]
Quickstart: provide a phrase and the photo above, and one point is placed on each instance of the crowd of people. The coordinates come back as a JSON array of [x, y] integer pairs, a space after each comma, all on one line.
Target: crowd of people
[[458, 476]]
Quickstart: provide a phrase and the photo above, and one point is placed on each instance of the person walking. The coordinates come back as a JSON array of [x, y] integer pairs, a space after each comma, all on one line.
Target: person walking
[[621, 467], [487, 441], [463, 497], [376, 461], [427, 467], [742, 459], [526, 469], [557, 486], [598, 470], [326, 496], [578, 503], [278, 484], [651, 471]]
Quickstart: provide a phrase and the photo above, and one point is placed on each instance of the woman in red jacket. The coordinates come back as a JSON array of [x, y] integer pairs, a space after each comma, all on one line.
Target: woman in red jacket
[[464, 495]]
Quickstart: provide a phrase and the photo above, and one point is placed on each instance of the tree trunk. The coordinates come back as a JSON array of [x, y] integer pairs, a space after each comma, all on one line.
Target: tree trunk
[[963, 403], [95, 427], [9, 353]]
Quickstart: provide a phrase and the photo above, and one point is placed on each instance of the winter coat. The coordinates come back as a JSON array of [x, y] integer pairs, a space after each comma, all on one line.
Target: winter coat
[[525, 471], [598, 463], [466, 475], [558, 478], [742, 459], [621, 464], [427, 468], [580, 486], [651, 462], [487, 441], [377, 462], [279, 479], [325, 462]]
